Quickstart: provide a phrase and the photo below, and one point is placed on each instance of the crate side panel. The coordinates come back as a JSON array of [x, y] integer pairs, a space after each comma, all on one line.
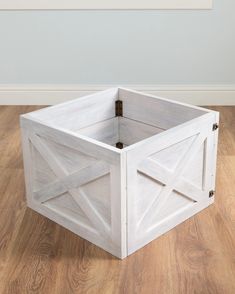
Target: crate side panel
[[157, 112], [81, 112], [74, 188], [82, 183], [177, 174]]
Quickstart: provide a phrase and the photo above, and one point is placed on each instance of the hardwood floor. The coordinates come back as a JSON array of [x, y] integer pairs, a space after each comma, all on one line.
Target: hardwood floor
[[39, 256]]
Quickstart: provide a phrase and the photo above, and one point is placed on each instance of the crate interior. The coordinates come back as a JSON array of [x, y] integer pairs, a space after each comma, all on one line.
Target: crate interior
[[142, 117], [95, 116]]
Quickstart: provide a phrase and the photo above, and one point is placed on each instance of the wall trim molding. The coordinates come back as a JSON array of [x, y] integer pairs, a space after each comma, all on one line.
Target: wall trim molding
[[104, 4], [47, 94]]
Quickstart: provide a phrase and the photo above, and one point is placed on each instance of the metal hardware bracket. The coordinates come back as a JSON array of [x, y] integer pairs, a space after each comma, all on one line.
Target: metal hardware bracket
[[211, 193], [215, 127], [118, 108]]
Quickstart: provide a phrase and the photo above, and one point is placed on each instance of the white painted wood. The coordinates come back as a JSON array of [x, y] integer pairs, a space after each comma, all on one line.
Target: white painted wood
[[156, 112], [159, 173], [80, 113], [215, 148], [159, 203], [73, 140], [73, 180], [28, 164], [105, 4], [159, 98], [171, 196], [50, 94], [118, 204], [94, 216], [131, 131], [176, 135], [168, 224], [91, 213], [78, 195], [119, 129], [211, 159], [106, 131], [119, 199]]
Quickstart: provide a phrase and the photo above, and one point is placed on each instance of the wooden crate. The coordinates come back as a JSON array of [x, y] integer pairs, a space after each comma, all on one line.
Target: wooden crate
[[120, 199]]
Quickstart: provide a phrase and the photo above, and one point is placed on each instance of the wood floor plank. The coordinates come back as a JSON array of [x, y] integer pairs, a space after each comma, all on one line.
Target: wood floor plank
[[39, 256]]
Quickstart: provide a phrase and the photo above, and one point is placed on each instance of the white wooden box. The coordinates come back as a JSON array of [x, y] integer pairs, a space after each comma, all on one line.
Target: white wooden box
[[120, 199]]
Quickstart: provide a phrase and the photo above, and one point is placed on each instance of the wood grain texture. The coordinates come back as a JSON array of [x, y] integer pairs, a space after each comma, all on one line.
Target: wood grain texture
[[120, 211], [39, 256]]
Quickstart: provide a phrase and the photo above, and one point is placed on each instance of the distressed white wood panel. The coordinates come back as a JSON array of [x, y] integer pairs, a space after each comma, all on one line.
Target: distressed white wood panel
[[84, 194], [174, 193], [170, 157], [161, 174], [152, 145], [28, 165], [160, 202], [193, 173], [42, 176], [71, 159], [215, 148], [132, 131], [119, 129], [67, 206], [77, 194], [105, 4], [118, 205], [210, 160], [81, 112], [74, 180], [156, 112], [101, 196], [106, 131], [73, 140]]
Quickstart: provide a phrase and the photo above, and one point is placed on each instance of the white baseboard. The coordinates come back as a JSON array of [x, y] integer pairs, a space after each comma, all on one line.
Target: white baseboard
[[48, 94]]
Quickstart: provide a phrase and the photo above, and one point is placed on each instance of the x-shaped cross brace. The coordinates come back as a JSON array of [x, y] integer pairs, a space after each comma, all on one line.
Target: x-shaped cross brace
[[72, 183], [172, 181]]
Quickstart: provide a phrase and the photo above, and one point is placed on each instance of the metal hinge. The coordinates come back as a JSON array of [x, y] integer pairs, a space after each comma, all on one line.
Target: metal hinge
[[211, 193], [215, 127], [118, 108]]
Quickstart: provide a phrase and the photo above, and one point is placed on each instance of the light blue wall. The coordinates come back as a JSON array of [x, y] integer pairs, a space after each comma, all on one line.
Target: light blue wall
[[136, 47]]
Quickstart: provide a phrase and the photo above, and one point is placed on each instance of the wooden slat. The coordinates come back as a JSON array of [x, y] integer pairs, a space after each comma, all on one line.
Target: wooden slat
[[73, 115], [80, 197], [72, 140], [156, 112], [158, 203], [90, 211], [73, 180], [132, 131], [49, 156], [50, 191], [159, 173], [155, 171], [143, 149], [28, 165], [118, 205], [106, 131]]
